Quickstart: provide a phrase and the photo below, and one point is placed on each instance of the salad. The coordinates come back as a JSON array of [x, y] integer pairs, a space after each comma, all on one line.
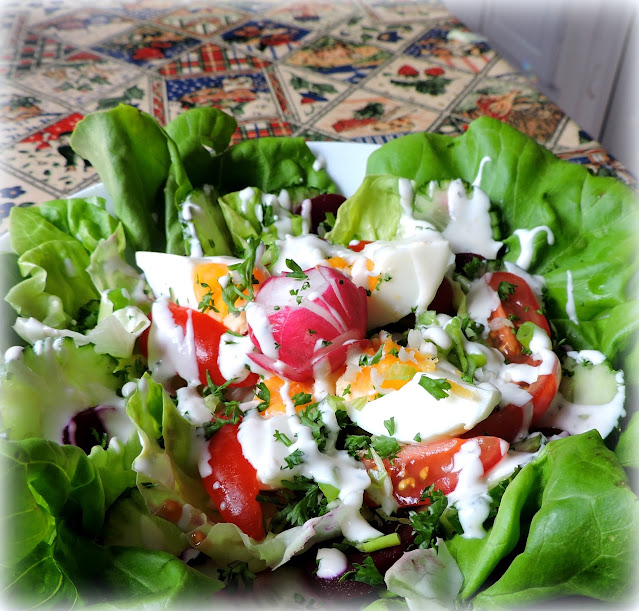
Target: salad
[[228, 383]]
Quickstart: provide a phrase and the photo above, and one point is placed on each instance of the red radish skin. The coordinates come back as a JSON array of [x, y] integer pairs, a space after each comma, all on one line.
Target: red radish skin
[[313, 321]]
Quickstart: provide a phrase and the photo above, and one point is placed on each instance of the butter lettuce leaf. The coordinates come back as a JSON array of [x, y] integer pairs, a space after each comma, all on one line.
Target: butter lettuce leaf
[[271, 164], [566, 525], [372, 213], [594, 221], [42, 389], [53, 551], [128, 148]]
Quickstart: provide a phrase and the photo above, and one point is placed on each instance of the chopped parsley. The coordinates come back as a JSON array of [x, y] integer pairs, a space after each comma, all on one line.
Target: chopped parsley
[[301, 398], [244, 288], [505, 290], [366, 572], [311, 416], [311, 505], [296, 271], [426, 523], [386, 447], [236, 575], [365, 360], [293, 459], [264, 394], [206, 303], [390, 425]]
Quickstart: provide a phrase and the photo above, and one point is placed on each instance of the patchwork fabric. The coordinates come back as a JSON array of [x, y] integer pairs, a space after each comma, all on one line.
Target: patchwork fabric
[[324, 70]]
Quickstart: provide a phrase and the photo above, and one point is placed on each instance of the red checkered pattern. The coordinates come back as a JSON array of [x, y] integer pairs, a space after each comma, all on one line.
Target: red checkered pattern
[[261, 129], [211, 58], [279, 93], [158, 103]]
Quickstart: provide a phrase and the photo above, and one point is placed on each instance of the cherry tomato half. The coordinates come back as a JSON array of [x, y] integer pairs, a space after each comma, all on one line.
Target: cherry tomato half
[[518, 305], [233, 483], [420, 465]]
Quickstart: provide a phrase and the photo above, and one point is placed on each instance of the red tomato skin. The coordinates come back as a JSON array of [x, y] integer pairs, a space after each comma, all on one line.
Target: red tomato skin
[[508, 421], [233, 484], [521, 306], [207, 332], [420, 465], [358, 246]]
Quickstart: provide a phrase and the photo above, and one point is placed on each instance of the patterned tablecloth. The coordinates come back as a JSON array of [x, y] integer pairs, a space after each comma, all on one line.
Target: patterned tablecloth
[[344, 70]]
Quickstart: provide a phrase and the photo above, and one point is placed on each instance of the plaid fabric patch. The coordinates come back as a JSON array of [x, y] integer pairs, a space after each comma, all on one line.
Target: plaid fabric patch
[[210, 58], [279, 92], [36, 50], [261, 129]]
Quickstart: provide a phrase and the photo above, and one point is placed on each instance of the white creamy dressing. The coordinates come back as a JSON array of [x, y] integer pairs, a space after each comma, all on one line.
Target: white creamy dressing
[[260, 445], [469, 229], [187, 212], [171, 350], [232, 358], [470, 496], [526, 241], [331, 563]]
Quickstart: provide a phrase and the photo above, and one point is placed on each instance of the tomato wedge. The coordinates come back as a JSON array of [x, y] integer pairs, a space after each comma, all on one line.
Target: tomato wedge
[[420, 465], [518, 305], [207, 333], [233, 483]]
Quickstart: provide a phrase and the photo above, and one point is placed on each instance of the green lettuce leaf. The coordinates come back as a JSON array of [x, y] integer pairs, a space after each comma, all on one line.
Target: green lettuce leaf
[[9, 277], [129, 577], [85, 219], [56, 243], [371, 213], [271, 164], [128, 148], [54, 515], [573, 488], [114, 467], [422, 575], [252, 214], [47, 482], [200, 135], [129, 523], [594, 221], [627, 449], [41, 389]]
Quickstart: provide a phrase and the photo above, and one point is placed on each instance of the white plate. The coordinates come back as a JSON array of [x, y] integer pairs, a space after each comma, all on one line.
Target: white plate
[[345, 162]]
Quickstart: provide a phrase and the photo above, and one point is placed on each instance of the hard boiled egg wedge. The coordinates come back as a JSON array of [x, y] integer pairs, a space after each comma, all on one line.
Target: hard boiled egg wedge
[[195, 282], [400, 276], [384, 392]]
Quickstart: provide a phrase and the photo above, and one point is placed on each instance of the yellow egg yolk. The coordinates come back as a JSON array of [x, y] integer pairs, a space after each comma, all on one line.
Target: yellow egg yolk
[[395, 367], [209, 280], [342, 265]]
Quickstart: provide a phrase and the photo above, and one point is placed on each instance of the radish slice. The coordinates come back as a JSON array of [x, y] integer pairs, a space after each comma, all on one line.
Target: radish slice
[[312, 322]]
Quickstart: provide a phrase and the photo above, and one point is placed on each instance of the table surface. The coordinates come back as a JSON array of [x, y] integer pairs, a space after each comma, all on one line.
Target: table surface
[[360, 71]]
